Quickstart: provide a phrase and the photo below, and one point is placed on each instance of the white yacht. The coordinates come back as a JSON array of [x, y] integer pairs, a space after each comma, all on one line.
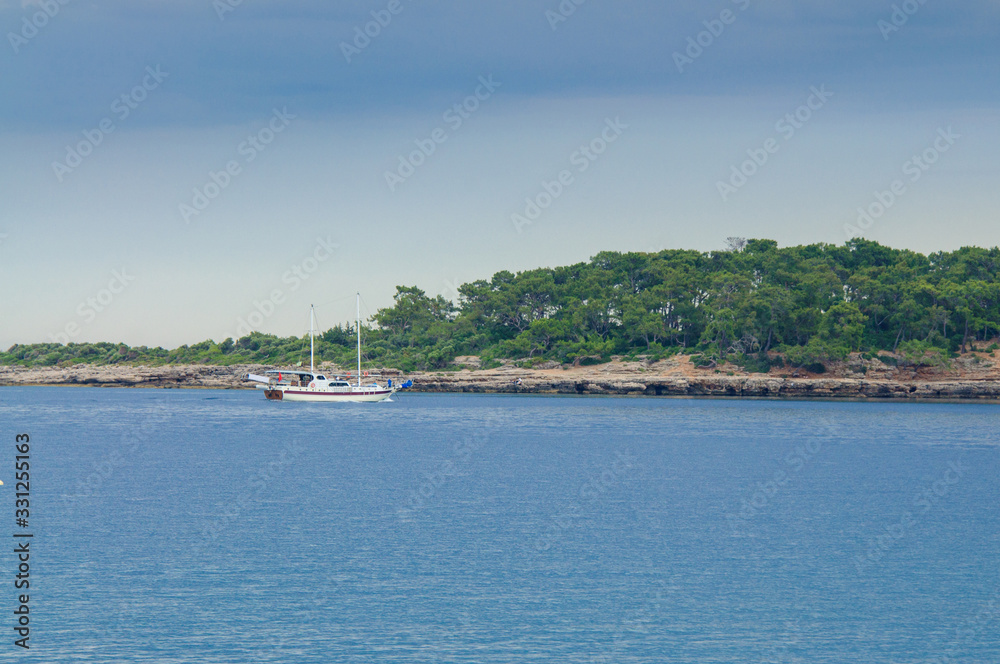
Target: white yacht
[[294, 385]]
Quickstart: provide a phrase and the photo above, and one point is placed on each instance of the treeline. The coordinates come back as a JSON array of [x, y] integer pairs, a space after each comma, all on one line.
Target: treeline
[[754, 304]]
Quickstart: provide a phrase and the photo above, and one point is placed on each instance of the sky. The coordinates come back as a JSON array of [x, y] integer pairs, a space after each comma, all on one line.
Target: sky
[[174, 171]]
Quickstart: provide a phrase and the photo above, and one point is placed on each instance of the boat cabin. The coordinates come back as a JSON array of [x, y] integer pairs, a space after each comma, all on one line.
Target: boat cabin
[[304, 379], [294, 378]]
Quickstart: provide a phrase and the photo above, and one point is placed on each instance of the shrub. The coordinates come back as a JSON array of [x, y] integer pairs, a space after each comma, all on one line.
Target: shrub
[[918, 353], [815, 352], [759, 363]]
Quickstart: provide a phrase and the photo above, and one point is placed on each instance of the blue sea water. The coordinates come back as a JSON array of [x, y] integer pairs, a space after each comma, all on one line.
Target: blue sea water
[[214, 526]]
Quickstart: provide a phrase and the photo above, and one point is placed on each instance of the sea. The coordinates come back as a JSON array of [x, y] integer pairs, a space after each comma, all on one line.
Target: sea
[[215, 526]]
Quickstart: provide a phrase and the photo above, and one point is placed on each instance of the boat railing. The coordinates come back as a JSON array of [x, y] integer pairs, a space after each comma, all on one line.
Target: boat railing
[[351, 377]]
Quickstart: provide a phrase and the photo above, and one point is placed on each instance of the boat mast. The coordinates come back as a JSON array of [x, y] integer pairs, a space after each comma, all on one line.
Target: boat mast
[[357, 322], [311, 344]]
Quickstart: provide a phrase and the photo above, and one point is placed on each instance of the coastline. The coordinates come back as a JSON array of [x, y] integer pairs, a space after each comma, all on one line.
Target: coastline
[[972, 378]]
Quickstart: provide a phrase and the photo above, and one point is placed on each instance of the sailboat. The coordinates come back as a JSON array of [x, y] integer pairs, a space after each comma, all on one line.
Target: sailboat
[[285, 385]]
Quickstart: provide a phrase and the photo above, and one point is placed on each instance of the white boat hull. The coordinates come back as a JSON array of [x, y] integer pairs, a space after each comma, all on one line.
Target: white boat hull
[[354, 395]]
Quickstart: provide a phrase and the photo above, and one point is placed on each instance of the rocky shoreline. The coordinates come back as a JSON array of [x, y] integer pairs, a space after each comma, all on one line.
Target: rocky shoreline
[[676, 377], [721, 386], [117, 375]]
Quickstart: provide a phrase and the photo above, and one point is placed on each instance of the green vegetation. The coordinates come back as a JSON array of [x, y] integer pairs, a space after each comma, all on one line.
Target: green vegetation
[[754, 305]]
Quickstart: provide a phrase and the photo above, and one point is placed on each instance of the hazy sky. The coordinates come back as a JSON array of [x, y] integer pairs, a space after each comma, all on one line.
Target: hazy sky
[[169, 165]]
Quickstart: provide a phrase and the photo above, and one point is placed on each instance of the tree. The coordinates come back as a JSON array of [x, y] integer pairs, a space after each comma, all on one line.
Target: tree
[[413, 314], [843, 324], [811, 303]]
